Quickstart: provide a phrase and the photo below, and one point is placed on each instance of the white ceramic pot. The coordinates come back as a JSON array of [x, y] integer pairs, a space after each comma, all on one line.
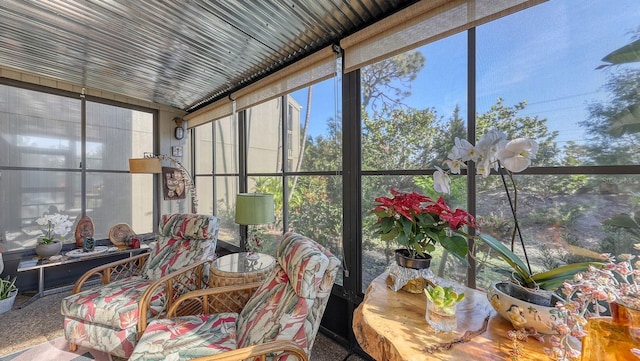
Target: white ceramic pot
[[7, 303], [523, 307], [49, 249]]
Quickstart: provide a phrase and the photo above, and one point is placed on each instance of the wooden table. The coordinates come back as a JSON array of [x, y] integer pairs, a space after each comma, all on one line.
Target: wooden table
[[390, 326]]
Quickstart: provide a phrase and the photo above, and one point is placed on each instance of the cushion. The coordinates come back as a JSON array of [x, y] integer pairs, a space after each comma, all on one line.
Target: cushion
[[114, 304], [104, 338], [171, 254], [187, 337], [274, 300], [189, 226], [304, 263]]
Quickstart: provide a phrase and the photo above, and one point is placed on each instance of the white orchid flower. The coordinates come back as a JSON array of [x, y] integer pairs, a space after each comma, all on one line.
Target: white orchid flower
[[465, 150], [491, 141], [454, 165], [484, 167], [517, 154], [441, 181]]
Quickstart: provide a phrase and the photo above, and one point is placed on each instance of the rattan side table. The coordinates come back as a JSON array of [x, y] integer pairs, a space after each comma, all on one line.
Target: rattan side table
[[236, 268]]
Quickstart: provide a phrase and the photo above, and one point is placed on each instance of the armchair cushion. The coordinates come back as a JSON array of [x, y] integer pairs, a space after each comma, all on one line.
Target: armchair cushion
[[188, 226], [304, 263], [171, 254], [200, 335], [274, 300], [114, 304]]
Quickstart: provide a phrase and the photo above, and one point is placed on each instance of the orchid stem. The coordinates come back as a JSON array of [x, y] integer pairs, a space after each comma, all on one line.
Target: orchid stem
[[515, 216]]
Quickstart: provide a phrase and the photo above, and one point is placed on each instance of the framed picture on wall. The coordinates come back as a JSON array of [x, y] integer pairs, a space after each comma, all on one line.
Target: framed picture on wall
[[174, 185]]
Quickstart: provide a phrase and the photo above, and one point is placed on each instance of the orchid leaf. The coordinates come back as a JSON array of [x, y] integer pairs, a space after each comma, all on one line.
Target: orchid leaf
[[624, 220], [511, 258]]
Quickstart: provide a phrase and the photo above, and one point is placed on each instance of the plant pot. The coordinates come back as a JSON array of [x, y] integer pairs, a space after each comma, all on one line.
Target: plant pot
[[49, 249], [441, 318], [7, 303], [523, 307], [404, 259]]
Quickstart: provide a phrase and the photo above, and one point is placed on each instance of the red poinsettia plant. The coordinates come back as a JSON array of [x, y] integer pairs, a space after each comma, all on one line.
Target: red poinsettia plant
[[417, 222]]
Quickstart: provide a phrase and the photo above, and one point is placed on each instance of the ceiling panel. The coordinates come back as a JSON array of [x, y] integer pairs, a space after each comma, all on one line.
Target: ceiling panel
[[178, 53]]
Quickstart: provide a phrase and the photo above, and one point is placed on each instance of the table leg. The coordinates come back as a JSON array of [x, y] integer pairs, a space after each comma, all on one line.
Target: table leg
[[40, 289]]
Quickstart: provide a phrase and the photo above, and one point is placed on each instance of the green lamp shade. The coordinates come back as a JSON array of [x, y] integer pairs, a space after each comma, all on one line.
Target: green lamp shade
[[254, 208]]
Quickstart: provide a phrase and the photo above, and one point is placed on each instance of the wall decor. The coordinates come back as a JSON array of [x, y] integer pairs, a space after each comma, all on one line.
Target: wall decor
[[174, 185]]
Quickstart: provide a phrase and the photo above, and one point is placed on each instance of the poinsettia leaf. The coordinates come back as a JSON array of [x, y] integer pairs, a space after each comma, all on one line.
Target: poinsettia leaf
[[457, 246], [389, 236]]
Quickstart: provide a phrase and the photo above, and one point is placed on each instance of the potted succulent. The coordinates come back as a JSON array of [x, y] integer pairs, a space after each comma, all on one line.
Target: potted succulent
[[56, 227], [8, 293], [417, 224], [441, 307]]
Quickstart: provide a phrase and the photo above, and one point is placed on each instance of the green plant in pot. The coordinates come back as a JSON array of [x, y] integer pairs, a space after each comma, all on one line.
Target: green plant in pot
[[56, 227], [441, 307], [8, 292], [526, 298], [416, 223]]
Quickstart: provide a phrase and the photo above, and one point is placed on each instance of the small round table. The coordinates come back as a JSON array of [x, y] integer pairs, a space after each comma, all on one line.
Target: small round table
[[237, 268]]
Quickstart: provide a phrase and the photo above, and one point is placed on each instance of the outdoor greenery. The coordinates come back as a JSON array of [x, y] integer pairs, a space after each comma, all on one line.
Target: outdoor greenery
[[555, 210]]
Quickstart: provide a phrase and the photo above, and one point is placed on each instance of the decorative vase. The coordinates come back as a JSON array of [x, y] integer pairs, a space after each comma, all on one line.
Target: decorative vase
[[48, 249], [7, 303], [441, 318], [612, 338], [523, 307], [404, 259]]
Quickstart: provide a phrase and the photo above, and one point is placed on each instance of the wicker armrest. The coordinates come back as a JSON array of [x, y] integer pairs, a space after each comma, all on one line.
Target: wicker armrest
[[261, 351], [113, 271], [214, 300], [175, 284]]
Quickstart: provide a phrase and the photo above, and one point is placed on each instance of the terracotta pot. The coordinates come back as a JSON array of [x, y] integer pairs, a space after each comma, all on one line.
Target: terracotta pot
[[404, 259], [523, 307]]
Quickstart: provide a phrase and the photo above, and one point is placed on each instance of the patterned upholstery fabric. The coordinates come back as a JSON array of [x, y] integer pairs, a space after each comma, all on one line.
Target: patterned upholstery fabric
[[288, 306], [187, 337], [115, 304], [106, 317]]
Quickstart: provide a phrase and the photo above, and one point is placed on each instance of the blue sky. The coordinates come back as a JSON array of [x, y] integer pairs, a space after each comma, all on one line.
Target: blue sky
[[545, 55]]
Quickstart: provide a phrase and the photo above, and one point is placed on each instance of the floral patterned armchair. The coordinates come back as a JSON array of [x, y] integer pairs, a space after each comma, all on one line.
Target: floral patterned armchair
[[135, 290], [279, 320]]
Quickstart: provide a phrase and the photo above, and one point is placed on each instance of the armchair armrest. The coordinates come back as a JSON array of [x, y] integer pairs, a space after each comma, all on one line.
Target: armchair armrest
[[175, 284], [261, 351], [214, 300], [113, 271]]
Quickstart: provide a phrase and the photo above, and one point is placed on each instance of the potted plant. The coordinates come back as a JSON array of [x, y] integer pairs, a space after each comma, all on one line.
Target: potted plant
[[441, 307], [8, 293], [56, 227], [417, 224], [526, 298]]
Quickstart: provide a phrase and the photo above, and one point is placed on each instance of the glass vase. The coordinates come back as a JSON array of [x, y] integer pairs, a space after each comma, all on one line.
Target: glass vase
[[441, 318]]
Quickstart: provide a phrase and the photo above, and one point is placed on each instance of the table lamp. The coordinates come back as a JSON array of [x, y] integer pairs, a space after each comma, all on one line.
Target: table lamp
[[151, 164], [253, 209]]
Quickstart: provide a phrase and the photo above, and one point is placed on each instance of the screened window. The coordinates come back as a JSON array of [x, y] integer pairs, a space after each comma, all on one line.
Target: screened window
[[41, 167]]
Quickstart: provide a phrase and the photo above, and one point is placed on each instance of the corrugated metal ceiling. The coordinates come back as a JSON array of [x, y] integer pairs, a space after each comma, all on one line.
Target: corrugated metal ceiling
[[179, 53]]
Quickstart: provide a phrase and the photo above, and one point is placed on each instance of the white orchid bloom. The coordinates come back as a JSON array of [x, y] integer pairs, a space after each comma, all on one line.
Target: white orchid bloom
[[484, 167], [491, 141], [454, 165], [465, 150], [517, 154], [441, 181]]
